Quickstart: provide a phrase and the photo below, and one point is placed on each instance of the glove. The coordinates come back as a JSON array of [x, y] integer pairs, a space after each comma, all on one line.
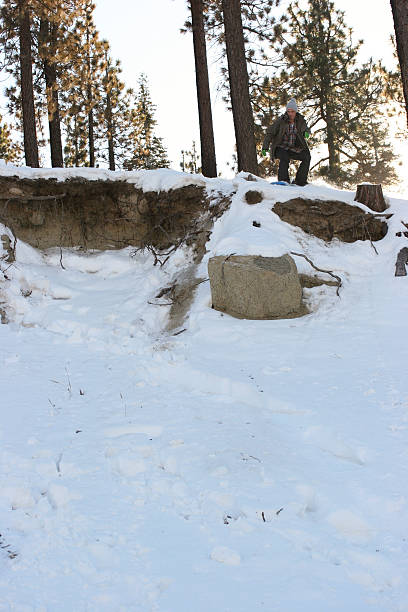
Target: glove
[[263, 152], [307, 134]]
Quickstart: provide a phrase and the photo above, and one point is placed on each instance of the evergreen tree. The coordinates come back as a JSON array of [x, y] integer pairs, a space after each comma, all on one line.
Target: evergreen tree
[[26, 81], [148, 151], [54, 37], [203, 89], [114, 114], [17, 45], [9, 150], [190, 160], [239, 86], [49, 26], [82, 86], [76, 142], [258, 22]]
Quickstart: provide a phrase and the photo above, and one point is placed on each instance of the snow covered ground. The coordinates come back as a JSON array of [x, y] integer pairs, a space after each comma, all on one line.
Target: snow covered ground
[[240, 466]]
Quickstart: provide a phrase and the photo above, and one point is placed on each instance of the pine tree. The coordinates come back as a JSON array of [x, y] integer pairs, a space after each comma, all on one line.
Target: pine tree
[[82, 86], [56, 46], [114, 114], [190, 160], [203, 90], [239, 87], [17, 47], [258, 23], [373, 159], [49, 26], [76, 142], [148, 151], [9, 150], [48, 49]]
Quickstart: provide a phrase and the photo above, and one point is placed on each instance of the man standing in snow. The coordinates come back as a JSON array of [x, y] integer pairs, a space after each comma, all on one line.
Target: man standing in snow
[[286, 139]]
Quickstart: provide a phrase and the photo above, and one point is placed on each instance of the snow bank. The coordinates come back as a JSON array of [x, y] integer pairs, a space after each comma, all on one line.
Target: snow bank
[[239, 465]]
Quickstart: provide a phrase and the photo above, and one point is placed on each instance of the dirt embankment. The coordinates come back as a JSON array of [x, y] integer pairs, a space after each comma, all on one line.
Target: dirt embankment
[[103, 214], [332, 219]]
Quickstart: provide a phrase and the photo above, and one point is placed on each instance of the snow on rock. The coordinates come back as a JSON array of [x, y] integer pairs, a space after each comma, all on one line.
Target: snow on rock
[[239, 465]]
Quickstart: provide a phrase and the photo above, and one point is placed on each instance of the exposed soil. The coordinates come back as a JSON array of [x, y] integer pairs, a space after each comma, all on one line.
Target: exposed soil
[[331, 219], [104, 214], [107, 214]]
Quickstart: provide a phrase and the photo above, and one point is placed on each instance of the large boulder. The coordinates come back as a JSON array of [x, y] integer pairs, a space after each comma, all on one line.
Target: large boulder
[[255, 287]]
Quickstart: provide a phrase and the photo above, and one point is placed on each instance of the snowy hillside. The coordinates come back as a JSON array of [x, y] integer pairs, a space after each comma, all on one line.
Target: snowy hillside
[[238, 466]]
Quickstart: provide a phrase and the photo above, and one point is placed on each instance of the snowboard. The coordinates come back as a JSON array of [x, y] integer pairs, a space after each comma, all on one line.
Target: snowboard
[[284, 183]]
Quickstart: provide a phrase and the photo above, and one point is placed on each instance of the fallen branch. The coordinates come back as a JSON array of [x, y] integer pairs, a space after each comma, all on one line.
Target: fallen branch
[[162, 304], [369, 235], [61, 264], [339, 281], [180, 332]]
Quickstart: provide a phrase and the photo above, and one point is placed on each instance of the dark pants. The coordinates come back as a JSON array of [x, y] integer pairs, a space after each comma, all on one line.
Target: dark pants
[[284, 155]]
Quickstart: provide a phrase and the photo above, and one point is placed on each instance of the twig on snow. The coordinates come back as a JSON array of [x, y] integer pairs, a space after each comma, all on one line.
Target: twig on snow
[[61, 264], [340, 282]]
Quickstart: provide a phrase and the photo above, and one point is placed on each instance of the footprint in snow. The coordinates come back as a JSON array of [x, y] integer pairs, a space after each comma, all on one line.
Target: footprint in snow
[[225, 555], [328, 441]]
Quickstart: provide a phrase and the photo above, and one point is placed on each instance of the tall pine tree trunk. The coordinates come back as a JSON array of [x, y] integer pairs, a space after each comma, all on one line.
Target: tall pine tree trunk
[[333, 152], [50, 74], [239, 87], [76, 145], [400, 14], [27, 94], [91, 136], [109, 121], [208, 159]]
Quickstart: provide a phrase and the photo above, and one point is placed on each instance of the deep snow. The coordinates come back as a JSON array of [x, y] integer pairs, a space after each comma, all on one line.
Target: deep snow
[[239, 466]]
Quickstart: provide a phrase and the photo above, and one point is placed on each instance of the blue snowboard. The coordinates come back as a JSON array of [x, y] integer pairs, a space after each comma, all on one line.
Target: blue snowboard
[[283, 183]]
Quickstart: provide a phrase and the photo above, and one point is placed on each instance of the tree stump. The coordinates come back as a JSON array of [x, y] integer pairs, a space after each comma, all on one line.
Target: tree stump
[[401, 262], [372, 196]]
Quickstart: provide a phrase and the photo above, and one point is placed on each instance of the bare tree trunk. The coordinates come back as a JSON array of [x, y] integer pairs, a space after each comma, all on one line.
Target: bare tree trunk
[[334, 160], [400, 14], [208, 159], [27, 94], [109, 122], [239, 87], [50, 74], [91, 137]]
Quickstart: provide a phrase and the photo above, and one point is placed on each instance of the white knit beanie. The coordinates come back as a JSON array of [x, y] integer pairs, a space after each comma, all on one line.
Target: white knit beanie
[[292, 105]]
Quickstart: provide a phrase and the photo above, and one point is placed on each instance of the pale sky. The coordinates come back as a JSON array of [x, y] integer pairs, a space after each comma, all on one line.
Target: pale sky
[[145, 37]]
